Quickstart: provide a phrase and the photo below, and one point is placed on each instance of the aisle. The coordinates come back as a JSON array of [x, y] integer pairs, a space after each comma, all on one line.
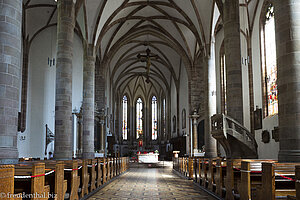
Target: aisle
[[144, 182]]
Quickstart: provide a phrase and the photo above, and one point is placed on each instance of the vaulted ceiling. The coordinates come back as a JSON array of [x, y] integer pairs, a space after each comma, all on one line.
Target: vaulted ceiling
[[177, 31]]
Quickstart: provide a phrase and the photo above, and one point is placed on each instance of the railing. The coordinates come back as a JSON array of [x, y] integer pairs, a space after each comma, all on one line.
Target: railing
[[222, 126]]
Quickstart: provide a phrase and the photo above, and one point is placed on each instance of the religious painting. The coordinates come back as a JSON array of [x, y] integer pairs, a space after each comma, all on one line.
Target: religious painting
[[258, 119], [265, 136]]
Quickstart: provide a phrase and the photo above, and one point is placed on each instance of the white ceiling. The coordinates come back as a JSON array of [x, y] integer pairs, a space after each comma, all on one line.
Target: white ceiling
[[175, 30]]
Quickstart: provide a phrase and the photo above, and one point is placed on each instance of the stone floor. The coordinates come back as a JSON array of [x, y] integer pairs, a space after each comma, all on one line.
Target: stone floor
[[151, 182]]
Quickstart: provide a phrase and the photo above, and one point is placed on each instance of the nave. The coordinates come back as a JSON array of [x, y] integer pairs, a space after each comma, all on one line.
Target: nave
[[150, 182]]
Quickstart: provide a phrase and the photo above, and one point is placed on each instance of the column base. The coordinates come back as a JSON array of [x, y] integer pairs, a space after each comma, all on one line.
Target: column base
[[8, 156], [197, 153], [9, 161], [99, 155], [289, 156], [88, 155], [210, 154], [62, 156]]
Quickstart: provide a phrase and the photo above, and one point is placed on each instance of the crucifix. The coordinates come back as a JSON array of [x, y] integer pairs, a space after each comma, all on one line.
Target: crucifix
[[147, 58]]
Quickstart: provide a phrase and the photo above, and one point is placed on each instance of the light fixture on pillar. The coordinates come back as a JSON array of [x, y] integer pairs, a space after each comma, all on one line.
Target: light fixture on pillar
[[245, 61], [51, 60]]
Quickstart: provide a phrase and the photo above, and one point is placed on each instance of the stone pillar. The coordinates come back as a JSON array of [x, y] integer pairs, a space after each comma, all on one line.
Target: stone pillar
[[88, 101], [287, 23], [194, 118], [10, 54], [211, 103], [102, 133], [63, 98], [22, 124], [232, 45]]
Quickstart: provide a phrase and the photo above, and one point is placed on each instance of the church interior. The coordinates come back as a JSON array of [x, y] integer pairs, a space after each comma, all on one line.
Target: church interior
[[96, 86]]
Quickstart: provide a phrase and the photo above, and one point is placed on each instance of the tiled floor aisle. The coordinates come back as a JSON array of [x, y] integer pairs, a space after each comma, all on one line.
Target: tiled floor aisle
[[150, 183]]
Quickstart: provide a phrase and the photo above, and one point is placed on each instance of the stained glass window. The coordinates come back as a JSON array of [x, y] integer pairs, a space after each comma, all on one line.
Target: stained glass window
[[139, 118], [124, 116], [223, 84], [269, 61], [154, 118], [164, 117]]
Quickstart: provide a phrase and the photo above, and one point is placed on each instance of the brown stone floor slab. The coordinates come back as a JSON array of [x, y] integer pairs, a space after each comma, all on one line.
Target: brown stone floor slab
[[143, 182]]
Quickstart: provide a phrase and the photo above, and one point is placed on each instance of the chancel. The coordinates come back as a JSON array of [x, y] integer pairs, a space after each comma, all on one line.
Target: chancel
[[146, 99]]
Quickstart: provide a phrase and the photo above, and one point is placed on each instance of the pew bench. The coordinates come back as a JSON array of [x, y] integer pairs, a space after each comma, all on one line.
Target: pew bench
[[71, 175], [56, 179], [278, 180], [220, 177], [29, 179], [84, 178], [7, 187]]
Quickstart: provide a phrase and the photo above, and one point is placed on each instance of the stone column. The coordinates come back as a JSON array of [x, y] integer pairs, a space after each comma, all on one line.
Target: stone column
[[88, 101], [22, 125], [63, 98], [102, 133], [231, 18], [287, 23], [10, 54], [194, 118], [211, 103]]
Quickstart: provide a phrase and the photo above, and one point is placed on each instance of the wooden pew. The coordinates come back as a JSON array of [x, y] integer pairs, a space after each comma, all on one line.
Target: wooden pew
[[240, 180], [233, 176], [204, 168], [99, 171], [116, 166], [85, 177], [251, 179], [112, 167], [92, 173], [191, 167], [297, 177], [278, 180], [30, 179], [185, 171], [58, 185], [199, 160], [104, 170], [211, 174], [7, 173], [108, 169], [220, 177], [71, 175]]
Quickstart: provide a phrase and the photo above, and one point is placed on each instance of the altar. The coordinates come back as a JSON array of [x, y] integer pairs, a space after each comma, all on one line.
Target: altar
[[148, 157]]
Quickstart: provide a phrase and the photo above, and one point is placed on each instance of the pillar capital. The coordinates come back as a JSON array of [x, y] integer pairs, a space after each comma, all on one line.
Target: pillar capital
[[90, 50]]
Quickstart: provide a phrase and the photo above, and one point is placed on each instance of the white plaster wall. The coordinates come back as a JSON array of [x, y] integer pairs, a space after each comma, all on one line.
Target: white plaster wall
[[41, 90], [268, 150], [183, 100]]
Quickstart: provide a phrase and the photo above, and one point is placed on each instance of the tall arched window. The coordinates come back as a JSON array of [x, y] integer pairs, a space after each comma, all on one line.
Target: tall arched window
[[154, 118], [269, 65], [223, 80], [164, 118], [139, 118], [124, 117]]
